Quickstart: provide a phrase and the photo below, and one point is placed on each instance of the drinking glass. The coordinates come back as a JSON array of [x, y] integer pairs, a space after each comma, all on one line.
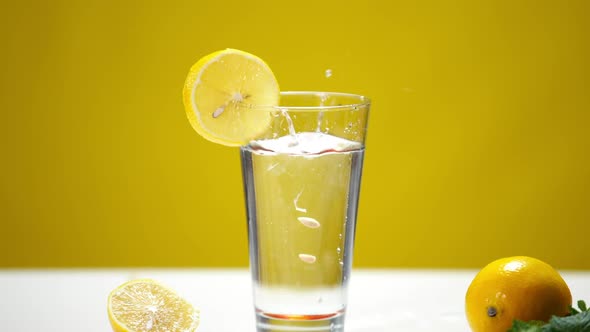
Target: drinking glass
[[301, 179]]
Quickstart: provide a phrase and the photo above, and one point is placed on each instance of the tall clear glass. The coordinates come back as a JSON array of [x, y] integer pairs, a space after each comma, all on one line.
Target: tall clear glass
[[301, 180]]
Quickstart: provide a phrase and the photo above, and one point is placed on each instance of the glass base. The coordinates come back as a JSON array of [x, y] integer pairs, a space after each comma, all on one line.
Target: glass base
[[298, 323]]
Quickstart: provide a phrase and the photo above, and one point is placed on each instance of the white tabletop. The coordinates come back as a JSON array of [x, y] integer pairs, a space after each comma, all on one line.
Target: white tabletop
[[379, 300]]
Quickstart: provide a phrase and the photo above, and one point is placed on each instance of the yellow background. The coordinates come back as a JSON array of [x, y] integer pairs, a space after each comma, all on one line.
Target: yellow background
[[478, 143]]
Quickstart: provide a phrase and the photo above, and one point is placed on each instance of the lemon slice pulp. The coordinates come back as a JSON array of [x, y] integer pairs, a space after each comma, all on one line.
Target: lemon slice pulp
[[145, 305], [221, 93]]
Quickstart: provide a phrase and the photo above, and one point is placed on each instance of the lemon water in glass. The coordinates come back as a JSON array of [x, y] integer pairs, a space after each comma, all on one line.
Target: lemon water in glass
[[302, 181]]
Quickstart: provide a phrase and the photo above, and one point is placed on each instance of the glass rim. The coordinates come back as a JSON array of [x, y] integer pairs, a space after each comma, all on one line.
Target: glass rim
[[363, 101]]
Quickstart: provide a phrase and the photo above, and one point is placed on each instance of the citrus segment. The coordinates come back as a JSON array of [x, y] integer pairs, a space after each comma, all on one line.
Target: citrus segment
[[144, 305], [519, 287], [221, 93]]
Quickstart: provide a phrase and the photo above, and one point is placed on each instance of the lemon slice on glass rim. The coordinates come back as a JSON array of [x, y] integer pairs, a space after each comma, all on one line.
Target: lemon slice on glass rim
[[221, 93]]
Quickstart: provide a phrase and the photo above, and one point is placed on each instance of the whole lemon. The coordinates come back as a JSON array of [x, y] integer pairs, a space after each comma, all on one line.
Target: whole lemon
[[519, 287]]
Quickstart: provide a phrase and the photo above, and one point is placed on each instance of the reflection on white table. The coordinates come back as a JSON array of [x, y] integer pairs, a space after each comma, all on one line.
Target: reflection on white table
[[379, 300]]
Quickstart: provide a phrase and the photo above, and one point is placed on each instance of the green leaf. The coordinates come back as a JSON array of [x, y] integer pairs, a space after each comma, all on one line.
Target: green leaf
[[576, 323], [520, 326]]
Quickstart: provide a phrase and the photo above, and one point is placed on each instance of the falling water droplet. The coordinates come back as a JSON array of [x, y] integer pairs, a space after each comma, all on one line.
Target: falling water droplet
[[323, 98], [292, 132]]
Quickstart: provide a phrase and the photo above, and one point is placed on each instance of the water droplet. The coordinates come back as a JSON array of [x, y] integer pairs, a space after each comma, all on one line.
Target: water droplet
[[319, 120], [323, 98], [328, 73], [291, 128]]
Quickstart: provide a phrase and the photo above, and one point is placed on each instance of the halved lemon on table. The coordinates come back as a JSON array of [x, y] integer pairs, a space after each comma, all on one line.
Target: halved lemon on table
[[145, 305], [221, 93]]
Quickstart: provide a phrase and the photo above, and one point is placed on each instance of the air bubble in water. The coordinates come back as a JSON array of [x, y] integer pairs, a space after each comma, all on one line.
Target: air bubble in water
[[328, 73]]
